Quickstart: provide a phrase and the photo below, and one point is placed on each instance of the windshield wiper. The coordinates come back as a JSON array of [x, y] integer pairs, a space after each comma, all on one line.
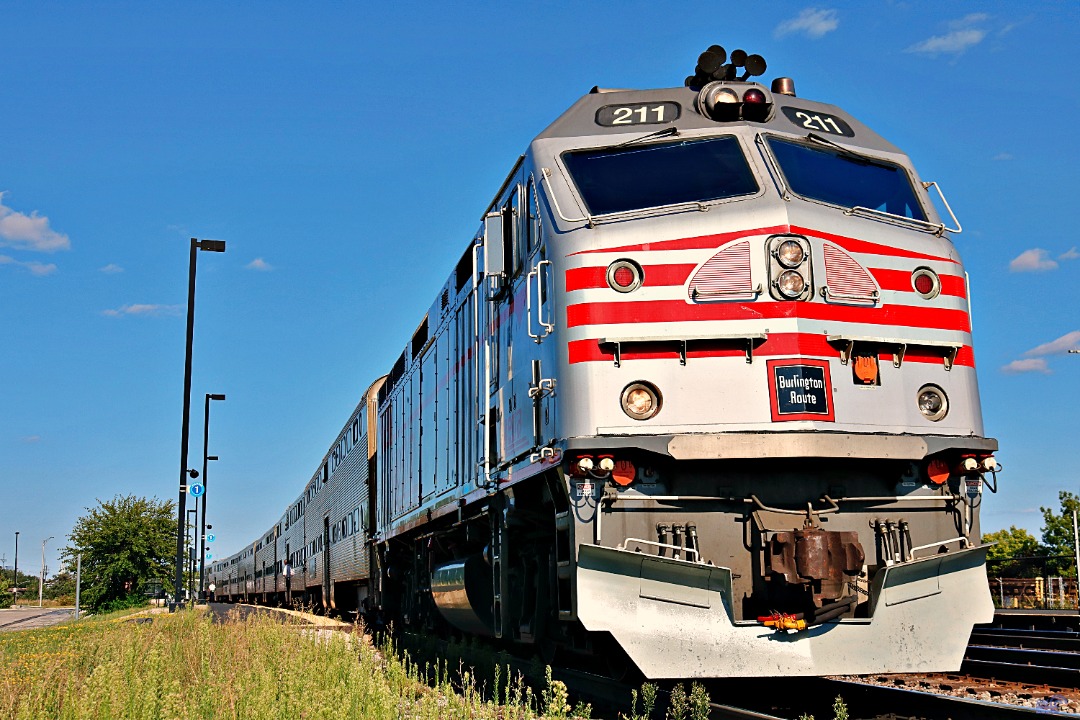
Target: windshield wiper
[[846, 152], [666, 132]]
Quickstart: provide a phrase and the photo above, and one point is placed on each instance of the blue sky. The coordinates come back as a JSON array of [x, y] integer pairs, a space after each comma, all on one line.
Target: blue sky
[[345, 154]]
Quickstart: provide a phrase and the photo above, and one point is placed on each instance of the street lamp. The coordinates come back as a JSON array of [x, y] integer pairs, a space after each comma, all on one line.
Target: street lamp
[[196, 245], [205, 458], [41, 579], [192, 525]]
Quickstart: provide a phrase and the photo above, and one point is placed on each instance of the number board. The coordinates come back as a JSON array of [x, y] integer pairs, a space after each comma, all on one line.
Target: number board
[[637, 114], [818, 122], [800, 390]]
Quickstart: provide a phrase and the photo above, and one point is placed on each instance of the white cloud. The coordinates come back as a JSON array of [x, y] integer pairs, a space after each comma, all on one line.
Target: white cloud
[[968, 20], [111, 269], [1003, 156], [963, 36], [143, 310], [259, 264], [812, 22], [36, 268], [1025, 366], [29, 232], [1033, 260], [1068, 341], [954, 43], [31, 439], [1070, 254]]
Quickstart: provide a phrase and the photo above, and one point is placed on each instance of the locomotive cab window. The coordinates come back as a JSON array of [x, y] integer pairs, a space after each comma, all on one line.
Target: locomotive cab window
[[846, 179], [512, 251], [613, 180]]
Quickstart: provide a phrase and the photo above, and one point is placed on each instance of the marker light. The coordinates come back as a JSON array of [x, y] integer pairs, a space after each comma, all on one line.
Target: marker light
[[989, 463], [969, 465], [607, 464], [624, 472], [640, 400], [581, 466], [754, 96], [790, 253], [624, 276], [938, 471], [932, 402], [926, 282], [791, 284]]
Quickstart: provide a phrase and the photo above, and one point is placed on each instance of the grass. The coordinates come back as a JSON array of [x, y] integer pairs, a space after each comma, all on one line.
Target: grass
[[184, 667]]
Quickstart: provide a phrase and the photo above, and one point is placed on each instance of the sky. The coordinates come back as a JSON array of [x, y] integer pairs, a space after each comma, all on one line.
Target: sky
[[345, 153]]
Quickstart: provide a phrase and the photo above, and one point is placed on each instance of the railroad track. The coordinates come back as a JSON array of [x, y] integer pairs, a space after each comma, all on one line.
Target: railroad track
[[1062, 640]]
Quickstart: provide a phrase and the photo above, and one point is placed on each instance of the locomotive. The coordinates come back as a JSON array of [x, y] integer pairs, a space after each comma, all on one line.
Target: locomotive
[[699, 390]]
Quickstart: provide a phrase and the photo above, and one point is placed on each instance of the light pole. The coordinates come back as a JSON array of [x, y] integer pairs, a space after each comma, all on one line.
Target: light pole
[[15, 587], [205, 458], [191, 552], [41, 579], [196, 245]]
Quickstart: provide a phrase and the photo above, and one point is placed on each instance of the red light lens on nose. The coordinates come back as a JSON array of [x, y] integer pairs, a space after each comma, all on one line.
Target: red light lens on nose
[[754, 97], [624, 277], [924, 284]]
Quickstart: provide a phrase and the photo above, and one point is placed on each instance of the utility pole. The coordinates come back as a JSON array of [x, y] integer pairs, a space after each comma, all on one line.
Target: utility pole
[[41, 579], [1076, 547], [15, 587]]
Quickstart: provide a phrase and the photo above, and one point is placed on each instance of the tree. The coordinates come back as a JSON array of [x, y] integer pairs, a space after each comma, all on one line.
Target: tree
[[62, 585], [1005, 557], [1057, 536], [125, 543]]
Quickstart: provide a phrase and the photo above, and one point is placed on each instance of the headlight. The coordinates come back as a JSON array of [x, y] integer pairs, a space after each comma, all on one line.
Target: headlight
[[640, 400], [933, 403], [791, 284], [790, 253]]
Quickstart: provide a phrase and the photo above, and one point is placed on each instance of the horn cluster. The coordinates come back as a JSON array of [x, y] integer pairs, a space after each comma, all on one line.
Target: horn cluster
[[714, 64]]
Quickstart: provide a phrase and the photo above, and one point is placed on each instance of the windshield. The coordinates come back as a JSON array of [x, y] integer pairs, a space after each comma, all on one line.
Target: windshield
[[846, 179], [619, 179]]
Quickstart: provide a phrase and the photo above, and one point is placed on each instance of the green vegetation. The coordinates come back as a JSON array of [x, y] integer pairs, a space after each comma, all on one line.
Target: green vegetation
[[125, 543], [1018, 554], [57, 591], [1057, 535], [183, 666], [839, 708]]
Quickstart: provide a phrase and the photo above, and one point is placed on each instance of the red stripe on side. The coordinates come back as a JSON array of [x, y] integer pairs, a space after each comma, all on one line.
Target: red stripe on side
[[656, 311], [588, 278], [778, 344], [654, 276], [901, 280], [868, 248]]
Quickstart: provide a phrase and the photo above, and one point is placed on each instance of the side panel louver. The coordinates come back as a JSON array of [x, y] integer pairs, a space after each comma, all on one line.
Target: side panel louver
[[726, 276], [846, 280]]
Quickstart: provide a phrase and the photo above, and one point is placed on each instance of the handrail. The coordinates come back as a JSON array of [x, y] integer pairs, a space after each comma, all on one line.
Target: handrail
[[682, 341], [753, 292], [872, 298], [941, 195]]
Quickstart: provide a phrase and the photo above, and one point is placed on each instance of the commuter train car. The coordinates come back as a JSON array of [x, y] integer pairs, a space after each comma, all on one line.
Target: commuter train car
[[700, 390]]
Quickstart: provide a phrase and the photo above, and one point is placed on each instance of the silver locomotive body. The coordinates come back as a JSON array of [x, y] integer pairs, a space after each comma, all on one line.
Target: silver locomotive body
[[702, 385]]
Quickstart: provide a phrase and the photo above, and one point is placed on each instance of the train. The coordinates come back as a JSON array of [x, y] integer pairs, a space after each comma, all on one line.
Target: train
[[699, 393]]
